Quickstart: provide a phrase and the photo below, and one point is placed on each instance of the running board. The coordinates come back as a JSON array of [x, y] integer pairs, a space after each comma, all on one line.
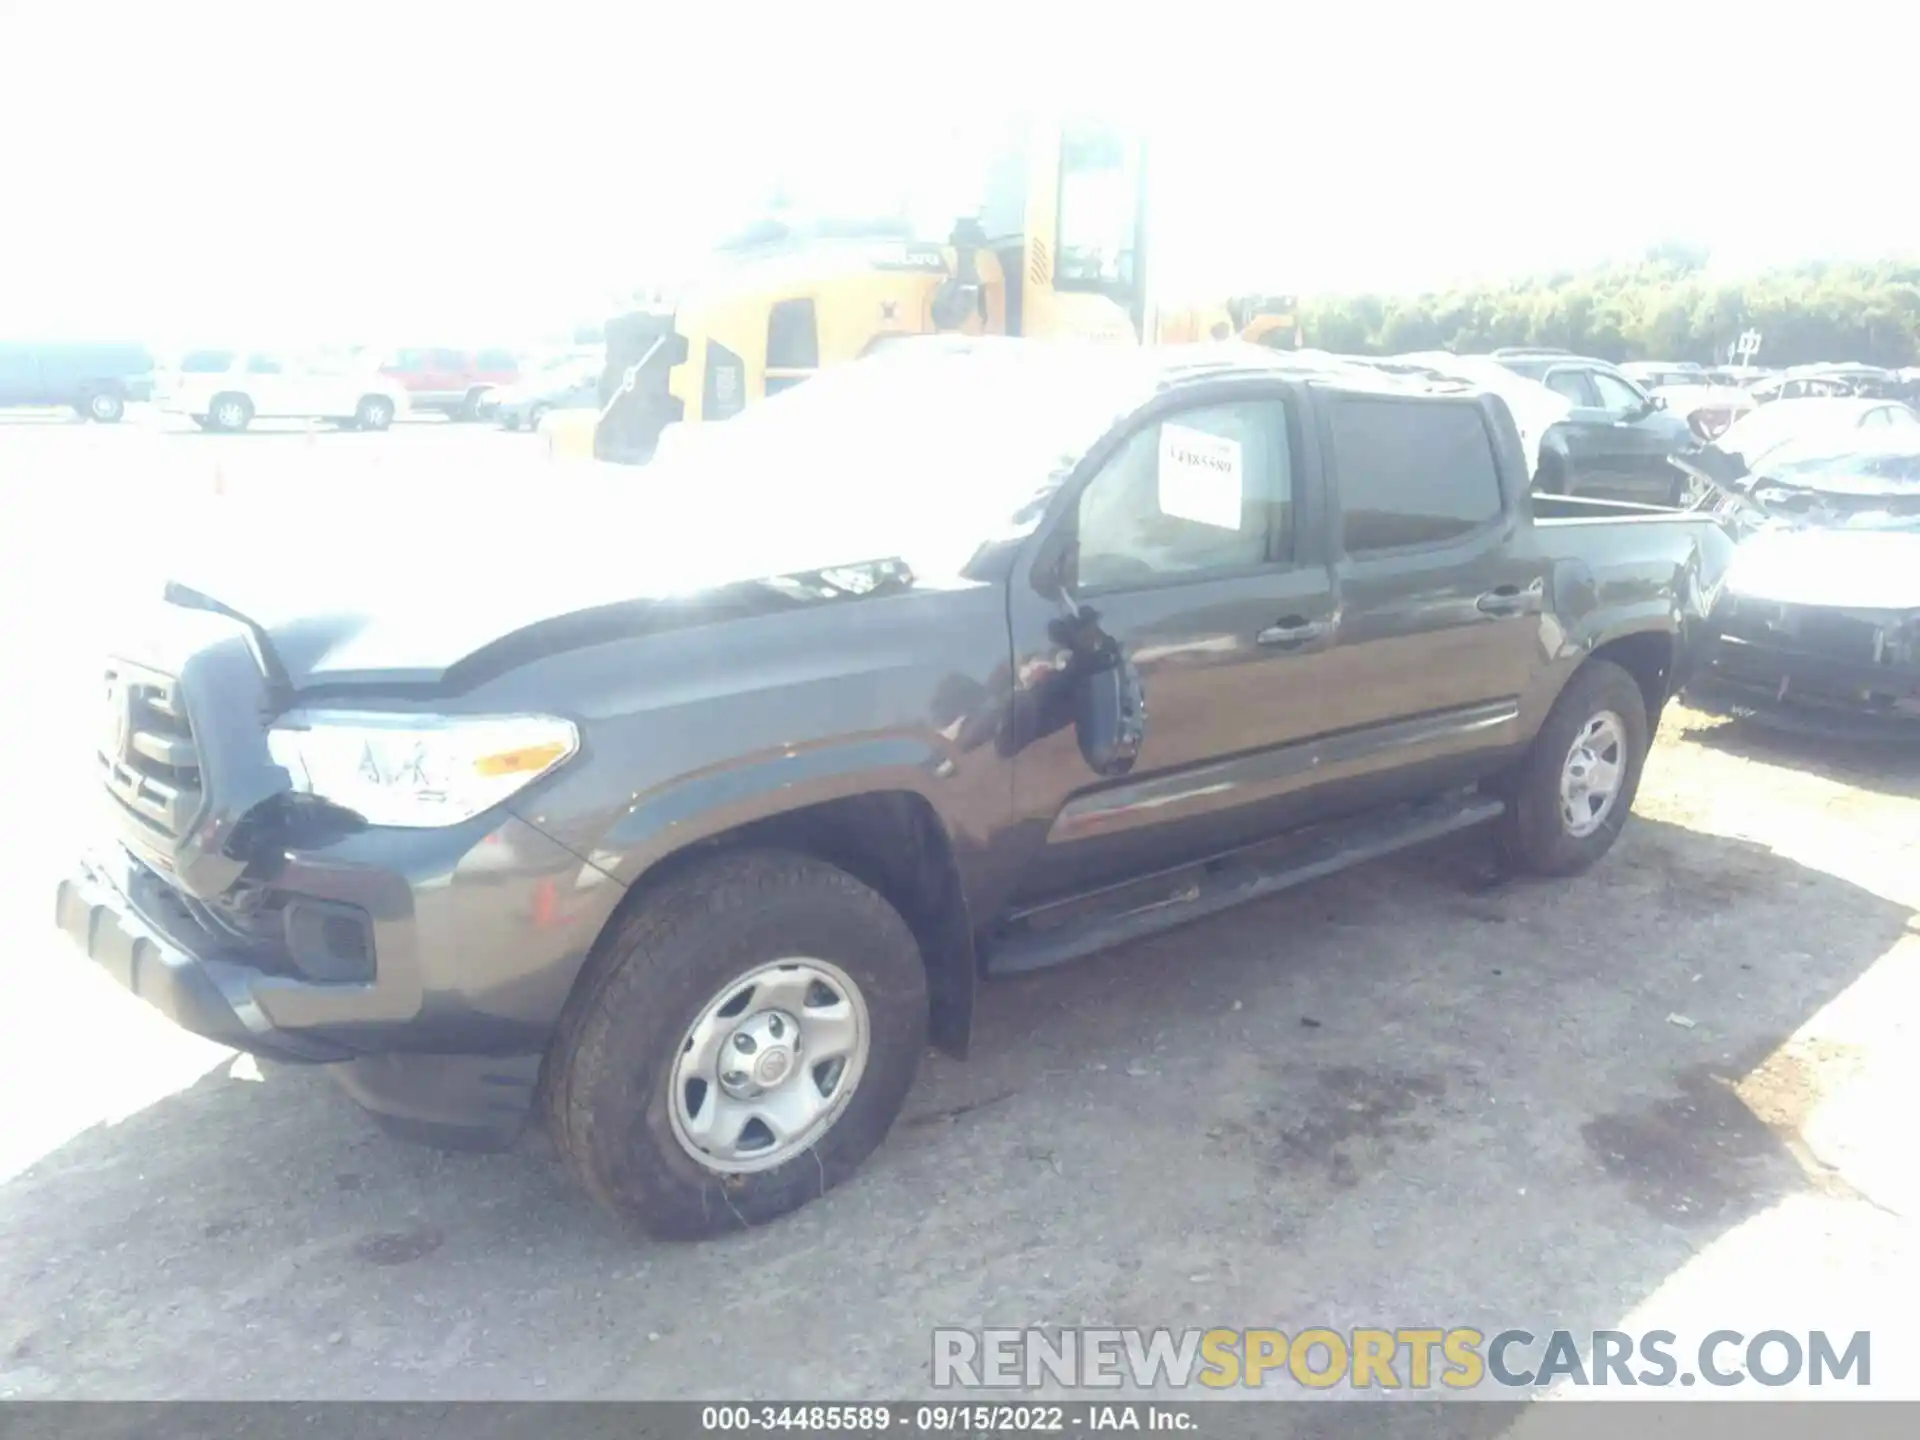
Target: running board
[[1052, 934]]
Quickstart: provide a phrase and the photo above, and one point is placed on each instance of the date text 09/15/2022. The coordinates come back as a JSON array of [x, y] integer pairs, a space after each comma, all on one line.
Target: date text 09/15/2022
[[946, 1419]]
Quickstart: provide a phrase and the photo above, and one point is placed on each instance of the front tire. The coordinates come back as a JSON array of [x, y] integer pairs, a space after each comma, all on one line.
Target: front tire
[[374, 412], [1572, 793], [742, 1041]]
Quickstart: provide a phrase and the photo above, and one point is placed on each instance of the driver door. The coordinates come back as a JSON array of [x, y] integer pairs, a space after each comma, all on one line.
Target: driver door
[[1197, 554], [1643, 436]]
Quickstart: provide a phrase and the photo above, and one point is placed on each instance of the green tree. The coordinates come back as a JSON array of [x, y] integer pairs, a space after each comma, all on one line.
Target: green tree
[[1660, 307]]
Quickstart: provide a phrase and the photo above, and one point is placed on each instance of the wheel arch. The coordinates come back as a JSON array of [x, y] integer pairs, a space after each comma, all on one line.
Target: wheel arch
[[893, 841], [1646, 655]]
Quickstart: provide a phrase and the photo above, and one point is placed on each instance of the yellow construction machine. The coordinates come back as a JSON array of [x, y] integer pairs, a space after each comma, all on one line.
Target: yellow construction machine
[[1055, 247]]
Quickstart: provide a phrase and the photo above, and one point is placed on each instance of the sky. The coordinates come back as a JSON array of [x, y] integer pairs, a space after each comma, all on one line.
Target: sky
[[415, 170]]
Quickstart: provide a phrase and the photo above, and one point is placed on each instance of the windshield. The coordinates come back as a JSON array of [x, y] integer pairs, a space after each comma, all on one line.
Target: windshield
[[963, 445], [1099, 210]]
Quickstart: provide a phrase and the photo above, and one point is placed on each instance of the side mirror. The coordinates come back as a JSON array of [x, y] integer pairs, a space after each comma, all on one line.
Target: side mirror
[[1704, 430], [1659, 402], [1110, 716]]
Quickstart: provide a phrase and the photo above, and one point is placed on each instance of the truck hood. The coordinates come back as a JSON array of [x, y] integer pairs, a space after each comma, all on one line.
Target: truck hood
[[395, 584], [1845, 569]]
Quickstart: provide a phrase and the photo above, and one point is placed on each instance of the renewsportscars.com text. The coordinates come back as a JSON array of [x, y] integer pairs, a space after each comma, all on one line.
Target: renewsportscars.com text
[[1396, 1359]]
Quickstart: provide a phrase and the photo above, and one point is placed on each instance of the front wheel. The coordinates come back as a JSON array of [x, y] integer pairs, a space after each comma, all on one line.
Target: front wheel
[[1572, 792], [743, 1041]]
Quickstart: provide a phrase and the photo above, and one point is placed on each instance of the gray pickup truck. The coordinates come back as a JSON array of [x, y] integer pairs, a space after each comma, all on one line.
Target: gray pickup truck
[[686, 822]]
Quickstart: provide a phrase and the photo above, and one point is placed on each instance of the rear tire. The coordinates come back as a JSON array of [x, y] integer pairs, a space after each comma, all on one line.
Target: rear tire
[[374, 412], [670, 991], [535, 416], [229, 412], [1556, 822], [469, 408], [104, 406]]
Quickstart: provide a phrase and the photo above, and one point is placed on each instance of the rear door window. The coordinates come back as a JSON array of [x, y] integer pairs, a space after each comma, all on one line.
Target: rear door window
[[497, 361], [206, 362], [1412, 472], [446, 360]]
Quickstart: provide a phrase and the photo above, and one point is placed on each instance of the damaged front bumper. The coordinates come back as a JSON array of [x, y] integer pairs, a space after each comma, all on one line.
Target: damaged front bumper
[[426, 967], [1843, 673]]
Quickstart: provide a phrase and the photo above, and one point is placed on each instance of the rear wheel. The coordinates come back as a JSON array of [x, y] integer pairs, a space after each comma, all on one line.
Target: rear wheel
[[230, 412], [744, 1039], [105, 406], [535, 416], [1572, 793], [469, 408], [374, 412]]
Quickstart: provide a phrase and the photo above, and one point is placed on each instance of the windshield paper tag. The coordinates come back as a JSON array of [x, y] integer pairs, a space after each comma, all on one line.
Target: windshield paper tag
[[1200, 477]]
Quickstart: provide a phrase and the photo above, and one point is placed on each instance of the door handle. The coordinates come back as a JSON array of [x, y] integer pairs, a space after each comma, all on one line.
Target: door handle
[[1293, 632], [1506, 600]]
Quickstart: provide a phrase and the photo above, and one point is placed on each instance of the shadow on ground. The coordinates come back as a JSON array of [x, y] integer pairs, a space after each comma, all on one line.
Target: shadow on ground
[[1887, 767], [1412, 1094]]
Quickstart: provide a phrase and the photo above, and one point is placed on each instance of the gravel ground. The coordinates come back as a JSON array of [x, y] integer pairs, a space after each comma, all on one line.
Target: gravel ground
[[1408, 1095]]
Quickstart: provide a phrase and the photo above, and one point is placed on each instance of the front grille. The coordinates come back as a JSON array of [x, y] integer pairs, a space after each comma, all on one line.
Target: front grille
[[146, 752]]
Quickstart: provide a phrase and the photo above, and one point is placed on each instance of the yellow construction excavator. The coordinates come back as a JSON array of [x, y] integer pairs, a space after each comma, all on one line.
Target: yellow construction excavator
[[1055, 247]]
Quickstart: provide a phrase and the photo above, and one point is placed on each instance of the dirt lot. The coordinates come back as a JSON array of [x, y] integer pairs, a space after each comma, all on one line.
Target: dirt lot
[[1406, 1096]]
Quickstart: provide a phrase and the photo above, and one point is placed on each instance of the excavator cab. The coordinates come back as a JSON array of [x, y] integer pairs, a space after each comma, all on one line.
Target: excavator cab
[[1050, 243]]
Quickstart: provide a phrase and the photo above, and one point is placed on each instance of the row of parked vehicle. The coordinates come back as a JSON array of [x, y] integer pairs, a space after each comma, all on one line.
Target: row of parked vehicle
[[358, 388], [1615, 431]]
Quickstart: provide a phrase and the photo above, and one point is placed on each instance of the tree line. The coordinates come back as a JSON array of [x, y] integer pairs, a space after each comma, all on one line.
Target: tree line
[[1665, 306]]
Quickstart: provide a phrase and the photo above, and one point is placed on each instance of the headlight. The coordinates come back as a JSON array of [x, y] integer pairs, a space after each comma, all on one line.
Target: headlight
[[418, 770]]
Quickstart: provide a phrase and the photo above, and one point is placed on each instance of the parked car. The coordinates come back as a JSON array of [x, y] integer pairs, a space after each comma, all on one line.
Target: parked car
[[1787, 421], [230, 389], [1617, 442], [1817, 624], [450, 381], [688, 834], [566, 385], [1825, 381], [97, 381]]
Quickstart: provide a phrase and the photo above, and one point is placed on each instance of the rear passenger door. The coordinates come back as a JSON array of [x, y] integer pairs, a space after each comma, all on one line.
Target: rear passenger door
[[1441, 591], [1592, 447]]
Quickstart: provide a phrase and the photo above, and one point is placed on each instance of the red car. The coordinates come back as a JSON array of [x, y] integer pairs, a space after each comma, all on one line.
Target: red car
[[451, 381]]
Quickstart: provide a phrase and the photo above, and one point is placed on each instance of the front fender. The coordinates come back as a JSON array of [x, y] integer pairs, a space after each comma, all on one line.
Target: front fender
[[692, 808]]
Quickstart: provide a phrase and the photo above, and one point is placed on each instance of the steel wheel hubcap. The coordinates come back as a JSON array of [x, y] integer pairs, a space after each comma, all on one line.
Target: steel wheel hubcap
[[1591, 777], [769, 1065], [229, 414]]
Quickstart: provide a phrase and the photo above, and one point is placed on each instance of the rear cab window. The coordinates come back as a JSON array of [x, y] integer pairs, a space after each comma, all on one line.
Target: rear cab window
[[1411, 473]]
